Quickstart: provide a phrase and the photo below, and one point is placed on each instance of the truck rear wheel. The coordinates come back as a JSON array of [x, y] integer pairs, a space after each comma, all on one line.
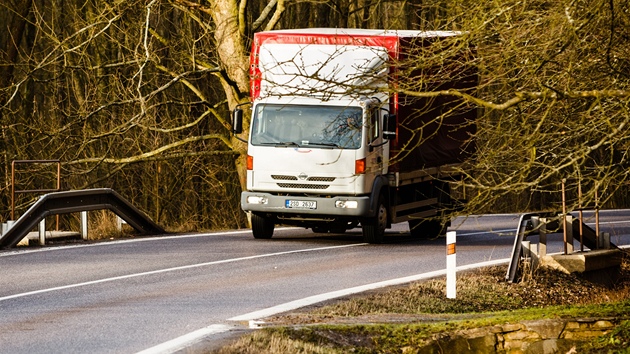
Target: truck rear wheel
[[262, 227], [374, 228]]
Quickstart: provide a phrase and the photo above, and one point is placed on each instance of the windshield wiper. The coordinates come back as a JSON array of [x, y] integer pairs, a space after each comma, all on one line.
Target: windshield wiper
[[332, 145], [282, 144]]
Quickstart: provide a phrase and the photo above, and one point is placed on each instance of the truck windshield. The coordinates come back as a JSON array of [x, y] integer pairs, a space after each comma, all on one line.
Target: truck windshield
[[313, 126]]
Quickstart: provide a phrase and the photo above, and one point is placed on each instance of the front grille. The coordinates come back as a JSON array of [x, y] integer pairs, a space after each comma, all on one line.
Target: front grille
[[321, 179], [284, 178], [295, 178], [302, 186]]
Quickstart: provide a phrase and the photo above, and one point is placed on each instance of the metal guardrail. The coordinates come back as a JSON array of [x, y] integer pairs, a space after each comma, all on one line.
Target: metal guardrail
[[544, 222], [76, 201], [524, 225]]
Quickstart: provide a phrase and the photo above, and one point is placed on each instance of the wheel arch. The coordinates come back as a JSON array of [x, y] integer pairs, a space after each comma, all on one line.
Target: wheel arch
[[380, 187]]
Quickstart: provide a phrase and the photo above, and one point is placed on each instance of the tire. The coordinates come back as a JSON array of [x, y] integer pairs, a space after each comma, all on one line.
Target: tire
[[374, 228], [262, 227], [424, 229]]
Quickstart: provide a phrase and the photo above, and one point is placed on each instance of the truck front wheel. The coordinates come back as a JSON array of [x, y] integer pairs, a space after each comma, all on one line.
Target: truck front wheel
[[262, 227], [374, 228]]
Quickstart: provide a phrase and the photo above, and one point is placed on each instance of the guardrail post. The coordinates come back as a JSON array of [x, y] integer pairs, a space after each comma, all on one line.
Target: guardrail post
[[9, 225], [542, 238], [569, 234], [84, 225], [604, 241], [42, 232], [119, 222], [526, 249]]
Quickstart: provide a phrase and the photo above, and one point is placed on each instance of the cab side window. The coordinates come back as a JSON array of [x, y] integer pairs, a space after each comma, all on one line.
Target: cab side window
[[374, 127]]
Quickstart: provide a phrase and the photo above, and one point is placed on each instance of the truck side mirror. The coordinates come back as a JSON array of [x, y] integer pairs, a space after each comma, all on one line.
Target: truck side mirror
[[237, 121], [389, 123]]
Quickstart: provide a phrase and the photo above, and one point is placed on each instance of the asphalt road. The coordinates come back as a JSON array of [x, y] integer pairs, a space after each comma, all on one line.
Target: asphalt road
[[158, 294]]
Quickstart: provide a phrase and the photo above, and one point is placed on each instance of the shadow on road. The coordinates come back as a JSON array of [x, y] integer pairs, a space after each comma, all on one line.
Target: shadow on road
[[351, 236]]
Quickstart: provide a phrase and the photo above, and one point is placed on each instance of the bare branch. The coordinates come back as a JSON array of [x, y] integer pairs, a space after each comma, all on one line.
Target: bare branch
[[276, 16], [263, 15], [153, 153], [520, 97], [242, 24]]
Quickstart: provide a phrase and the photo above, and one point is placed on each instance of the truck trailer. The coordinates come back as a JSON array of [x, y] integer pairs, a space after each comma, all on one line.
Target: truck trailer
[[337, 139]]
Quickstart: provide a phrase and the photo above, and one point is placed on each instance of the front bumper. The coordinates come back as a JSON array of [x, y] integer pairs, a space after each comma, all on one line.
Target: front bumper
[[325, 206]]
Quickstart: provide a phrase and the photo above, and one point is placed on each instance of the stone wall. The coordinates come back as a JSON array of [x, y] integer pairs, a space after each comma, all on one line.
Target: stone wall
[[539, 336]]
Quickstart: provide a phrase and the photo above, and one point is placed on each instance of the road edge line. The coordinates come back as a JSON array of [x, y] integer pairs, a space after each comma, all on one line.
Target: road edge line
[[187, 340], [307, 301]]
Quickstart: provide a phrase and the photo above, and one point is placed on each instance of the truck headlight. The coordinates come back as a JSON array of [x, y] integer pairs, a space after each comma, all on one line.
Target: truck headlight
[[254, 199], [346, 204]]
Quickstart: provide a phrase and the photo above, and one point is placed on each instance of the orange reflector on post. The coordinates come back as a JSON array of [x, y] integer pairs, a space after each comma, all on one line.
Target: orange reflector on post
[[450, 249]]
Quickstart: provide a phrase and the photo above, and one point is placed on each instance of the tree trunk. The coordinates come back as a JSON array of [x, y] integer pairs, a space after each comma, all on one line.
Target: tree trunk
[[233, 57]]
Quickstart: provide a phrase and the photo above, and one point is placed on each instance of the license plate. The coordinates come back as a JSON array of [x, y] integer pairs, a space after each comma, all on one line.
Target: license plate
[[300, 204]]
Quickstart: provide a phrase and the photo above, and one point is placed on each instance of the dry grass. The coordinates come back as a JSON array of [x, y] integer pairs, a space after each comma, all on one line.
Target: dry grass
[[103, 224], [397, 315], [274, 342], [484, 291]]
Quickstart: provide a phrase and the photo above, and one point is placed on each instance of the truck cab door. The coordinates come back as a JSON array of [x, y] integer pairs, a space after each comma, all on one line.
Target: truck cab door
[[378, 149]]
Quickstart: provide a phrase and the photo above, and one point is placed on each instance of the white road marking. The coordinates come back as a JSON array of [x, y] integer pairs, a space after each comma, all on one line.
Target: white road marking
[[252, 318], [194, 235], [134, 240], [186, 340], [292, 305], [498, 232], [158, 271]]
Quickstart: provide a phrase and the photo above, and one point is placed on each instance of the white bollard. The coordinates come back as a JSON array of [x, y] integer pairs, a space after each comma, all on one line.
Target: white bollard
[[84, 225], [451, 264], [42, 232], [120, 223]]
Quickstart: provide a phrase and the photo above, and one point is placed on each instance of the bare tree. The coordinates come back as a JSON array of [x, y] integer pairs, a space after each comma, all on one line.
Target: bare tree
[[135, 95], [554, 91]]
